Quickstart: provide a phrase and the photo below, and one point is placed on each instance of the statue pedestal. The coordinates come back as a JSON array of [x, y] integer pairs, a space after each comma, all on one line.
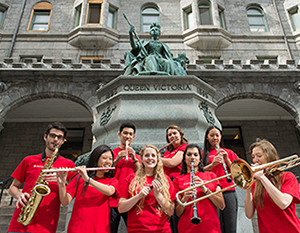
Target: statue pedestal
[[152, 103]]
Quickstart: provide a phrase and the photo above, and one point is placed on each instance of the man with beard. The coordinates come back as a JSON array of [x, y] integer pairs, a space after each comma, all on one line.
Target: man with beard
[[47, 215]]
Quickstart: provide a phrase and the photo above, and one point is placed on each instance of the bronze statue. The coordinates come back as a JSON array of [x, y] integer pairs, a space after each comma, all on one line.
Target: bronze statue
[[152, 57]]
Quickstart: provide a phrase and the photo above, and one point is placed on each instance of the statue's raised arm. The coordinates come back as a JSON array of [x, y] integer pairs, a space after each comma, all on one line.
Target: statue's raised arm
[[151, 57]]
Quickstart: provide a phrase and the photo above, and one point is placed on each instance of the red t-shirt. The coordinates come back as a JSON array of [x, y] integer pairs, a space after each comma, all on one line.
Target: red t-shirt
[[175, 171], [274, 219], [207, 211], [122, 169], [47, 215], [218, 170], [148, 220], [91, 212]]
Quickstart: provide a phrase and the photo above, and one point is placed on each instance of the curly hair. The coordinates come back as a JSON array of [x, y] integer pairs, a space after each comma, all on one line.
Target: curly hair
[[139, 181]]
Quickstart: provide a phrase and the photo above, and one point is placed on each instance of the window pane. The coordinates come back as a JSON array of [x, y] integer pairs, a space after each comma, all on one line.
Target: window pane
[[253, 12], [205, 16], [190, 20], [296, 20], [150, 11], [110, 20], [94, 13], [255, 20], [1, 16], [257, 28], [77, 16], [40, 27], [150, 19], [146, 28], [41, 19]]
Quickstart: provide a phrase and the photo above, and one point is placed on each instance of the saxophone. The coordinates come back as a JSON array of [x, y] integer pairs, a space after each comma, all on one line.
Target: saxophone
[[39, 190]]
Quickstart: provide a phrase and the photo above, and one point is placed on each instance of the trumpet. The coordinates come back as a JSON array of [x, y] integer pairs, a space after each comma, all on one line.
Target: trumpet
[[243, 175], [73, 169], [223, 164]]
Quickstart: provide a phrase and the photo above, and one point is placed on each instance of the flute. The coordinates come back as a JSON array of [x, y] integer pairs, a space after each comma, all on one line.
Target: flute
[[168, 144], [223, 163], [127, 144], [73, 169]]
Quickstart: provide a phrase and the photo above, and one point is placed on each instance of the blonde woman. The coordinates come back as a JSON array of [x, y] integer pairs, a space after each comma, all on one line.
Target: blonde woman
[[273, 196], [148, 195]]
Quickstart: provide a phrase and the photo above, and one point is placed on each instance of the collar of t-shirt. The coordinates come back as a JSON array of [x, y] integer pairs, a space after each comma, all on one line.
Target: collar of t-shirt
[[44, 157]]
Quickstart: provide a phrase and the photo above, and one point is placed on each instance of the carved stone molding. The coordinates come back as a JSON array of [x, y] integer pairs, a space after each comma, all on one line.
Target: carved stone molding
[[3, 87], [207, 114]]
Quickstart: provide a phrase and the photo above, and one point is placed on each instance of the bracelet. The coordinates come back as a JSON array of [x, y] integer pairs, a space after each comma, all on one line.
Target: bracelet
[[207, 191]]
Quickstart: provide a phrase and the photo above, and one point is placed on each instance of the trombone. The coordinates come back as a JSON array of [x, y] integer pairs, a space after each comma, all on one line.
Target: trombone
[[242, 175]]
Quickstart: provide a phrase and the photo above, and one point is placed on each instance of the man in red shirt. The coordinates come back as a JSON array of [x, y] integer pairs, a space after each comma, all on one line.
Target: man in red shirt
[[46, 217], [126, 162]]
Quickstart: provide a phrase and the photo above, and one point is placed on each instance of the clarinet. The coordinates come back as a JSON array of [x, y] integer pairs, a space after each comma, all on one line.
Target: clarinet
[[195, 219], [223, 163]]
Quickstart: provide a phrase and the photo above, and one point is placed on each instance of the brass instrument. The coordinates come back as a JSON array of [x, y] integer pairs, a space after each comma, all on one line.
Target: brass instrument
[[242, 175], [223, 164], [195, 219], [73, 169], [39, 190]]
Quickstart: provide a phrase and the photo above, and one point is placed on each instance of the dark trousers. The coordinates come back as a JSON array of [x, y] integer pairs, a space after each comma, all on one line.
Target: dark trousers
[[115, 218], [228, 216]]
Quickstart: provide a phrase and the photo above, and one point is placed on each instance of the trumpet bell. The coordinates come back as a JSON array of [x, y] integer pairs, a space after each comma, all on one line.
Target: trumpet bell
[[241, 173]]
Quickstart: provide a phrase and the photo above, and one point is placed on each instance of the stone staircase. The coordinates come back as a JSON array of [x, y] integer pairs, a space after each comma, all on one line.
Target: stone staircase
[[6, 212]]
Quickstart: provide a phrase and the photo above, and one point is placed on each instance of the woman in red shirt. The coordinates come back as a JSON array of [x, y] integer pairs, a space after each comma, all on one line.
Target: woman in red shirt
[[215, 160], [91, 190], [173, 156], [207, 208], [272, 195], [148, 210]]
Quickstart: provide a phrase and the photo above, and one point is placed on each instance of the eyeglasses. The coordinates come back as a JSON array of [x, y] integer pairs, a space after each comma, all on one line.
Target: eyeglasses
[[53, 135]]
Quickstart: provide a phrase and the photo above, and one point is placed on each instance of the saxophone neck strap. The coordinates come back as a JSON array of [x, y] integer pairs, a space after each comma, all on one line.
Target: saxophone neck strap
[[44, 157]]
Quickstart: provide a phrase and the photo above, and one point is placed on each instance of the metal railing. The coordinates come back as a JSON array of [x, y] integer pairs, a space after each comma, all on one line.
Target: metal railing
[[5, 185]]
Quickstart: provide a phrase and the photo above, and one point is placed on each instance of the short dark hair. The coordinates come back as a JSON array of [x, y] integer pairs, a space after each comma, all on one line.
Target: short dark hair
[[56, 125], [127, 125]]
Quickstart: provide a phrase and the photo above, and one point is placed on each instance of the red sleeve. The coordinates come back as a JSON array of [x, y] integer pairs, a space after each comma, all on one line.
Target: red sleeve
[[115, 183], [290, 185]]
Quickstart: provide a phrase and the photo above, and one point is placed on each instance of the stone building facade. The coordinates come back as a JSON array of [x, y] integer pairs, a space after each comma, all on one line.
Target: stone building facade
[[56, 54]]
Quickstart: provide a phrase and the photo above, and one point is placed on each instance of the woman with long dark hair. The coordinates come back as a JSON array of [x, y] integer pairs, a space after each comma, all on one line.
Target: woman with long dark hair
[[148, 195], [218, 160], [91, 190], [274, 195], [207, 208]]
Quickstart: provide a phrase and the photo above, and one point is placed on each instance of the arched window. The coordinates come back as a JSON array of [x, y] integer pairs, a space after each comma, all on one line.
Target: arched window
[[150, 14], [204, 12], [256, 19], [40, 17]]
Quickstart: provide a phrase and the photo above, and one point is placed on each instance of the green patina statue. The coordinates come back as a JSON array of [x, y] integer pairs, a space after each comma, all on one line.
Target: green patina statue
[[152, 57]]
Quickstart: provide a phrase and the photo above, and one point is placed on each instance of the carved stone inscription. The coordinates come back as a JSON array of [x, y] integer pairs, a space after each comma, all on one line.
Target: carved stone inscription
[[157, 87], [144, 87]]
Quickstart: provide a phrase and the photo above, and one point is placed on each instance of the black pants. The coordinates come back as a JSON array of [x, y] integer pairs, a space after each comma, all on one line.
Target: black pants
[[115, 218], [228, 216]]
